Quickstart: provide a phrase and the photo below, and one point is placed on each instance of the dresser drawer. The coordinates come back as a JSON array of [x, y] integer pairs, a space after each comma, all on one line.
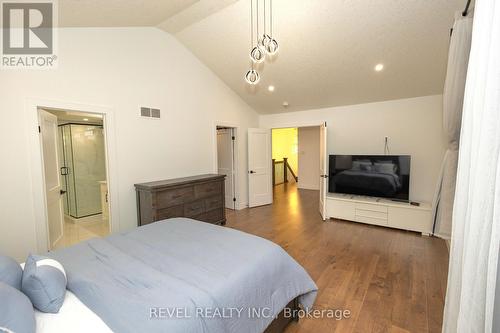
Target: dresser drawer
[[174, 197], [198, 197], [207, 189], [194, 208], [213, 203], [212, 216], [167, 213]]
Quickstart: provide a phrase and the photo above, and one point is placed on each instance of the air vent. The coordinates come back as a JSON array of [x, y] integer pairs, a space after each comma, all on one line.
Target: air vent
[[145, 112], [155, 113], [150, 112]]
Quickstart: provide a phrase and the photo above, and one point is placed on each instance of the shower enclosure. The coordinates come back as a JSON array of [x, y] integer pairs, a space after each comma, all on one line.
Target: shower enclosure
[[83, 166]]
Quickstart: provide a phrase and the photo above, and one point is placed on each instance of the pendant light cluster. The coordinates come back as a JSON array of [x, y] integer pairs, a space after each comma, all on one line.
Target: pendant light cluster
[[264, 45]]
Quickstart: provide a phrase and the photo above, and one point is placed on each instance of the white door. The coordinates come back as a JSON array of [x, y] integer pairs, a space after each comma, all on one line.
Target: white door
[[259, 167], [323, 174], [48, 130], [225, 162]]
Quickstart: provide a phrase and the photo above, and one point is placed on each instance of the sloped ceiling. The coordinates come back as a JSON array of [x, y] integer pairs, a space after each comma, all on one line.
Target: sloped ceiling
[[328, 50], [118, 13]]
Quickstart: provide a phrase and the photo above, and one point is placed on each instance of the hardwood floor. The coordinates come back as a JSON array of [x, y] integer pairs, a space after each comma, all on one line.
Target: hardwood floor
[[389, 280]]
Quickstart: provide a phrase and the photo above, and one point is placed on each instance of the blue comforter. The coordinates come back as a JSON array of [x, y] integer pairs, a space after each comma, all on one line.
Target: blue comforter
[[181, 275]]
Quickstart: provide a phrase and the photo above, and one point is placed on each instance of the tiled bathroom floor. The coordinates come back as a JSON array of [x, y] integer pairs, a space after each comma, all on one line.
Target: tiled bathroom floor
[[82, 229]]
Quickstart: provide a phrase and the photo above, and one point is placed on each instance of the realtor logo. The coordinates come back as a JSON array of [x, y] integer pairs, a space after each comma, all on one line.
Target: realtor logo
[[28, 34]]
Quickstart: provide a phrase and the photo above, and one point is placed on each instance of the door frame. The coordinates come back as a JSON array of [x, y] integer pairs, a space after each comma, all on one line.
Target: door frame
[[297, 125], [236, 131], [36, 162]]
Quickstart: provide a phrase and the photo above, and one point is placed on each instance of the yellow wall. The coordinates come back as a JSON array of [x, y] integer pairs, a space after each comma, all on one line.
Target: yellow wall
[[285, 144]]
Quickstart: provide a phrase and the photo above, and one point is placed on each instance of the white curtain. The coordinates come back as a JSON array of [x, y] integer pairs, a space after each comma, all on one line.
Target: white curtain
[[475, 238], [453, 97]]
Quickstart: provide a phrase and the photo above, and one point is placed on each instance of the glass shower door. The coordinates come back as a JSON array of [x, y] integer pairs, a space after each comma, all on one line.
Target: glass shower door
[[88, 168], [83, 166]]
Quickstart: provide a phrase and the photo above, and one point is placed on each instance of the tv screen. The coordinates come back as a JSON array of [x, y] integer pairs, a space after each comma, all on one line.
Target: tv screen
[[386, 176]]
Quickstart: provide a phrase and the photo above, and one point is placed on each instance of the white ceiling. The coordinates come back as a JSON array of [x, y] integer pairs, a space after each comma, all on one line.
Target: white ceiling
[[76, 117], [328, 49], [118, 13]]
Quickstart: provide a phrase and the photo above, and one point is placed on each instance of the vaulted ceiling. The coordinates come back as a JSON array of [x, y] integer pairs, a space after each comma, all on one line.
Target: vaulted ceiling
[[328, 48]]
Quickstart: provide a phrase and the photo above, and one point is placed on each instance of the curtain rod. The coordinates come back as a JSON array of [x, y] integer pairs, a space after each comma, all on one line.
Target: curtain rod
[[464, 13]]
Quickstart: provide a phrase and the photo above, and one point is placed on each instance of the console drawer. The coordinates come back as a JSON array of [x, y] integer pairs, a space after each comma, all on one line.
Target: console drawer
[[372, 207], [371, 220], [372, 214], [340, 209]]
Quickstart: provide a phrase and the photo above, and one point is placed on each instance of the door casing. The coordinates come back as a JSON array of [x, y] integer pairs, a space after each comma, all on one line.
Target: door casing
[[39, 200]]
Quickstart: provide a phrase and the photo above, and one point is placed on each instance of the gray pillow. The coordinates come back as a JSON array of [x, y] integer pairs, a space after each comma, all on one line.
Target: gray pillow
[[361, 165], [11, 272], [16, 311], [385, 167], [44, 282]]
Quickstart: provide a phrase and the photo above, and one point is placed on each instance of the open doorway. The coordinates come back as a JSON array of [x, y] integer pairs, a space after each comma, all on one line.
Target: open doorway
[[226, 162], [296, 157], [299, 161], [75, 176]]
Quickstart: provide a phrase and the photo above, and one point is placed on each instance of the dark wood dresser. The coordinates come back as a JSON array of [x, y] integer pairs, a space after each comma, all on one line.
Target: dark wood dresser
[[199, 197]]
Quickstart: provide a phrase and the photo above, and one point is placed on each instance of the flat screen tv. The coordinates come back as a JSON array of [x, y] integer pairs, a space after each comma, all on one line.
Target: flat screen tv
[[385, 176]]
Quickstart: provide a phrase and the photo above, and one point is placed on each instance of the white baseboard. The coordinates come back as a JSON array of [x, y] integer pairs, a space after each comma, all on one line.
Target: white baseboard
[[241, 205]]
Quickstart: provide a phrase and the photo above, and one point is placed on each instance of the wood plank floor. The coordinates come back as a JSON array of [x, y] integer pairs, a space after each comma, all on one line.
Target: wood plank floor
[[389, 280]]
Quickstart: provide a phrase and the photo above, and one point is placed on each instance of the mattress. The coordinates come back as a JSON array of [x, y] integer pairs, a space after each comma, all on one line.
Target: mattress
[[73, 317], [116, 283]]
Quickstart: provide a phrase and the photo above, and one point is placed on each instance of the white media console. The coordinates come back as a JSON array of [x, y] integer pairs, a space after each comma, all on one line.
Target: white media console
[[382, 212]]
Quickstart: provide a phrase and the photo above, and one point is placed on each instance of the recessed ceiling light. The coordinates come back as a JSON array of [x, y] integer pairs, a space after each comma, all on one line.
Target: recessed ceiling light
[[379, 67], [85, 119], [270, 88]]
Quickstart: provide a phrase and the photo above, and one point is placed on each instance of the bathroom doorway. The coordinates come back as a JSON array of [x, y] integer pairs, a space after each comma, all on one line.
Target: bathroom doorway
[[74, 159]]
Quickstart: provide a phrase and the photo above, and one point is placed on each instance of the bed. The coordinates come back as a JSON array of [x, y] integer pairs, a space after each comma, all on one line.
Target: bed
[[201, 277], [381, 183]]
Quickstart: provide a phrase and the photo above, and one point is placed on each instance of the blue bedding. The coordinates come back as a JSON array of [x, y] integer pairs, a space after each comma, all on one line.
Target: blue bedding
[[181, 275]]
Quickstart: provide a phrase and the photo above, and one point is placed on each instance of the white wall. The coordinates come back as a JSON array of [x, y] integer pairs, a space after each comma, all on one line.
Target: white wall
[[120, 68], [414, 126], [308, 158]]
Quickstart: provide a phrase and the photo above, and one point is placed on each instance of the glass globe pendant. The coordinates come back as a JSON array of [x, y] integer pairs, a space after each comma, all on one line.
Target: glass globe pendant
[[272, 47], [264, 41], [257, 55], [252, 77]]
